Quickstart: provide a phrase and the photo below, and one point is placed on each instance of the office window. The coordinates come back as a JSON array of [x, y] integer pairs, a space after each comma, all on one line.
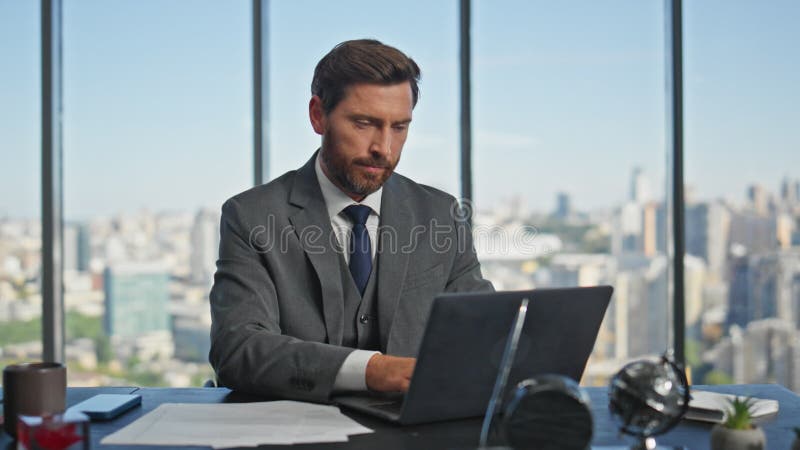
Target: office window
[[569, 159], [742, 192], [302, 32], [20, 175], [157, 134]]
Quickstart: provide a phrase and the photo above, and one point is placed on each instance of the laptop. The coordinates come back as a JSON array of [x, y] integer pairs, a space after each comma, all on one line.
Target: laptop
[[463, 344]]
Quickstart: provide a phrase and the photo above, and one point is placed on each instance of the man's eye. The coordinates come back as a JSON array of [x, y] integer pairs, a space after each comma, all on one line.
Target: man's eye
[[362, 123], [401, 127]]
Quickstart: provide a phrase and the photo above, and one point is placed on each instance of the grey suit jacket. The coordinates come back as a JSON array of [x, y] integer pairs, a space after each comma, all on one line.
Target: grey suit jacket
[[277, 301]]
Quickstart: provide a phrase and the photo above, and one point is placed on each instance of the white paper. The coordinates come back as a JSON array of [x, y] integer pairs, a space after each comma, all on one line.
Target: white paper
[[721, 402], [223, 425]]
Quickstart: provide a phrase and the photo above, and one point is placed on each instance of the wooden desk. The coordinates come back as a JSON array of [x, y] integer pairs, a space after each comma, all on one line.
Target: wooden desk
[[457, 434]]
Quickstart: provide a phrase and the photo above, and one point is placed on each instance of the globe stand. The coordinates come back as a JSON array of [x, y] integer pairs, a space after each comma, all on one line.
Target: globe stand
[[648, 443], [645, 443], [639, 446]]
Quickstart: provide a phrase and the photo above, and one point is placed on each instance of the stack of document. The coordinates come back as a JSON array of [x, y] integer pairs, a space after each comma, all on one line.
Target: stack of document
[[713, 407], [238, 425]]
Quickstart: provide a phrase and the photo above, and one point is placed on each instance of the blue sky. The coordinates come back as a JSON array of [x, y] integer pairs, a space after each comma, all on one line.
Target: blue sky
[[567, 96]]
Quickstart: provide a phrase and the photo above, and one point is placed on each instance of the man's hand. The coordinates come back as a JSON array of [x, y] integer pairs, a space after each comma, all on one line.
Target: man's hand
[[389, 373]]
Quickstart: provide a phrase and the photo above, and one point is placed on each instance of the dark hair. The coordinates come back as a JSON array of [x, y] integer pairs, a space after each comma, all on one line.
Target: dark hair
[[361, 61]]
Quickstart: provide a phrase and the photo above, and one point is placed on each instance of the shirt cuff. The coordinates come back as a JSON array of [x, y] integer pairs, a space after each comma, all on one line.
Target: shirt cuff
[[352, 375]]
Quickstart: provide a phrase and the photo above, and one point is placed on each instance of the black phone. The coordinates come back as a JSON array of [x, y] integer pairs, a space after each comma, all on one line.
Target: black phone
[[107, 406]]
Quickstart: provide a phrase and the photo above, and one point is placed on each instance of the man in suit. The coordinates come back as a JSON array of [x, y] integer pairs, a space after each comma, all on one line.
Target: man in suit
[[326, 274]]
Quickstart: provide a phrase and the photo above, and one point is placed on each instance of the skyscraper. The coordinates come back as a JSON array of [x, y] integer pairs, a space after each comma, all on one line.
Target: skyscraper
[[707, 230], [76, 247], [650, 229], [758, 199], [756, 233], [786, 191], [766, 285], [626, 236], [563, 205], [640, 186], [136, 298], [738, 307]]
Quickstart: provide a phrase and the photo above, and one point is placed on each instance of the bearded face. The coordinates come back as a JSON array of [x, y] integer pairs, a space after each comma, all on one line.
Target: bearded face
[[363, 136], [359, 176]]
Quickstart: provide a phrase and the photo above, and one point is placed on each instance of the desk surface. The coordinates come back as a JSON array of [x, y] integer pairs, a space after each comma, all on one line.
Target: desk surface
[[458, 434]]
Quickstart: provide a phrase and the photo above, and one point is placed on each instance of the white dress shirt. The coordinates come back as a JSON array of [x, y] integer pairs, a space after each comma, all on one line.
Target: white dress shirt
[[352, 374]]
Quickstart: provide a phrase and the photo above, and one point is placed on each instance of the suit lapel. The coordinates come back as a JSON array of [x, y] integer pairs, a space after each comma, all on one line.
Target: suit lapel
[[313, 229], [394, 238]]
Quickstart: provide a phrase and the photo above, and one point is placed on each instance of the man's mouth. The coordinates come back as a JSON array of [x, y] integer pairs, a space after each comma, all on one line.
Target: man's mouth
[[373, 167]]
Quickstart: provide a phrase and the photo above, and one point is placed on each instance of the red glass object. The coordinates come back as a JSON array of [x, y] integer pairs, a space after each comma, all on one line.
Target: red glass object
[[67, 431]]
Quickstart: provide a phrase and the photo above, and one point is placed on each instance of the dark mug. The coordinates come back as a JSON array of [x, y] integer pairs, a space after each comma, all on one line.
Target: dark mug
[[33, 389]]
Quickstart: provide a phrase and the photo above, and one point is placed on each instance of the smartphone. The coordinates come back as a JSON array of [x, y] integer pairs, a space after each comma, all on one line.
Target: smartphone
[[107, 406]]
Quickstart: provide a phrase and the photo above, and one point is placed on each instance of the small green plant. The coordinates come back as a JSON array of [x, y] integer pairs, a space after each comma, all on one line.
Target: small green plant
[[739, 417]]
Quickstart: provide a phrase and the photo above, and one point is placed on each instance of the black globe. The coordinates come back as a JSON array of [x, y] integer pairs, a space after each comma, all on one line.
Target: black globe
[[648, 397]]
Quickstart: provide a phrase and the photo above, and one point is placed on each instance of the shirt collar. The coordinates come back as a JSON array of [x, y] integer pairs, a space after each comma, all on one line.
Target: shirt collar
[[336, 200]]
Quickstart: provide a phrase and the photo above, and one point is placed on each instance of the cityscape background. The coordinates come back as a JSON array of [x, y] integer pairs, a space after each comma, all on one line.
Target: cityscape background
[[568, 107]]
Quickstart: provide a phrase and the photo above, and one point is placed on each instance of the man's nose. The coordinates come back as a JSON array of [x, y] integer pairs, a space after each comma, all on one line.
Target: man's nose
[[382, 142]]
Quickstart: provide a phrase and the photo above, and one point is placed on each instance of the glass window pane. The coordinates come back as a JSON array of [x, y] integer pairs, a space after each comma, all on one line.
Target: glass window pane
[[298, 40], [157, 134], [569, 159], [20, 175], [743, 191]]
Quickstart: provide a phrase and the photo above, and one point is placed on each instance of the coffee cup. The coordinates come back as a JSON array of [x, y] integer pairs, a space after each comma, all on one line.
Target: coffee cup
[[33, 389]]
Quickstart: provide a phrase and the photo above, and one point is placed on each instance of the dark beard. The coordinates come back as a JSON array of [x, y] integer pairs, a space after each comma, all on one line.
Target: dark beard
[[337, 168]]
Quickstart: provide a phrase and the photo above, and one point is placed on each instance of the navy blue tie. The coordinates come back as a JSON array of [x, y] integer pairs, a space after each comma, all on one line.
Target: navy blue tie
[[360, 247]]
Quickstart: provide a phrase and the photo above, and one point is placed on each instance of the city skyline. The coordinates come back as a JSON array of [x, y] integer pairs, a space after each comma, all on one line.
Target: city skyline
[[552, 208], [742, 275]]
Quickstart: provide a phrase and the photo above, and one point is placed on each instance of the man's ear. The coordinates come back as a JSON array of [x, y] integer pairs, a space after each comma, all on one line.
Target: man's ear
[[317, 115]]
